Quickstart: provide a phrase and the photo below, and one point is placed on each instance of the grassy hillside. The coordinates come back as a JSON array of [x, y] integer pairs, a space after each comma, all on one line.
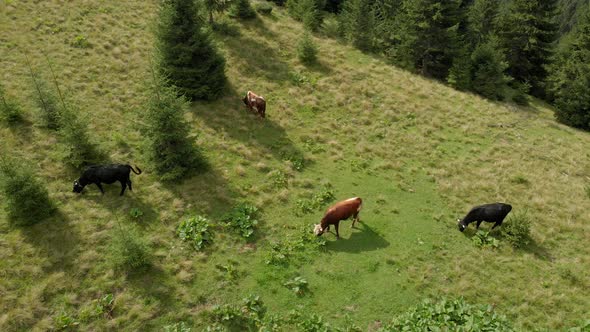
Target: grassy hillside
[[419, 154]]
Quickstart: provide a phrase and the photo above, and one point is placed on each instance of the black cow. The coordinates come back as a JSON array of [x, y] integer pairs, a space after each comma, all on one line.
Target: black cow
[[494, 212], [107, 174]]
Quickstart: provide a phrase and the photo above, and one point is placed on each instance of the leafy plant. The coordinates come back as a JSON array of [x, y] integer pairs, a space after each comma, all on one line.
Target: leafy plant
[[278, 179], [317, 201], [242, 218], [63, 321], [249, 317], [229, 271], [298, 285], [449, 315], [80, 41], [516, 230], [105, 305], [177, 327], [484, 239], [135, 213], [196, 231]]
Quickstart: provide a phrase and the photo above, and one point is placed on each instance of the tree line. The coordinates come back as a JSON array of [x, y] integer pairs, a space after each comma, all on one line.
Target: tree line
[[502, 50]]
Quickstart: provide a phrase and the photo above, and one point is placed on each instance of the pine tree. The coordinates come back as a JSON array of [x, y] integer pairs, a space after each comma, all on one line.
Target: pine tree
[[170, 150], [487, 71], [307, 50], [186, 56], [242, 9], [481, 19], [311, 13], [429, 40], [215, 6], [10, 111], [357, 23], [570, 79], [527, 30], [26, 198]]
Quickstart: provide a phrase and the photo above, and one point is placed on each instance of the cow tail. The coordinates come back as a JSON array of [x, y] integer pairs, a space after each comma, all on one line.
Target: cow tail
[[136, 172]]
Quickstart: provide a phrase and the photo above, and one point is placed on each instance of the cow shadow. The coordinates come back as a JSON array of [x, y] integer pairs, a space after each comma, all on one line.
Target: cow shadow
[[230, 117], [56, 239], [366, 239]]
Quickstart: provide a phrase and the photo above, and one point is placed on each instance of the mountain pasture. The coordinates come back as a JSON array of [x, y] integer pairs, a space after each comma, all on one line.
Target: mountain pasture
[[418, 153]]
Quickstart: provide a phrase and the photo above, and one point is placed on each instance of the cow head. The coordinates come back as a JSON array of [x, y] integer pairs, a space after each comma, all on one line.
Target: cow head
[[318, 230], [245, 100], [77, 187], [461, 225]]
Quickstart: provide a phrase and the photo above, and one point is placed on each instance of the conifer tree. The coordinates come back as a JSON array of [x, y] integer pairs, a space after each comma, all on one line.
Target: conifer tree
[[357, 23], [170, 150], [481, 19], [527, 30], [186, 55], [242, 9], [487, 71], [570, 78], [429, 40]]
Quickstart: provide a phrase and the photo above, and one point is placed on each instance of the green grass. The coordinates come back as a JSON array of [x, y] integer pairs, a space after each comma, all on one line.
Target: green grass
[[419, 154]]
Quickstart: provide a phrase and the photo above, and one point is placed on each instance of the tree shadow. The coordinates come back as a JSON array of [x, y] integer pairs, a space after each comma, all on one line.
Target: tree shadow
[[57, 239], [320, 67], [365, 240], [154, 284], [256, 59], [538, 251], [127, 207], [230, 117]]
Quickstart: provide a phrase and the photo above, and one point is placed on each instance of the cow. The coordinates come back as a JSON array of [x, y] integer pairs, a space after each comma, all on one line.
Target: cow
[[337, 212], [255, 102], [98, 174], [494, 212]]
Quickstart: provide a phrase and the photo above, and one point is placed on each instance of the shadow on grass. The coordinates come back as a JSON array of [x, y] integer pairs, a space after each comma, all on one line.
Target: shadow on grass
[[128, 207], [230, 117], [56, 239], [532, 246], [365, 240], [155, 285]]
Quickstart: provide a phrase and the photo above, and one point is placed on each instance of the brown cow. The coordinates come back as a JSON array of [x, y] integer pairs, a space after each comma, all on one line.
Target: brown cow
[[339, 211], [253, 101]]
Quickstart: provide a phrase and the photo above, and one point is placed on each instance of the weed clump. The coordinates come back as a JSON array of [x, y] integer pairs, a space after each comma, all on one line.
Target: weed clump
[[242, 218], [516, 230], [317, 201], [307, 50], [483, 239], [449, 315], [196, 231], [130, 251], [298, 285], [27, 199]]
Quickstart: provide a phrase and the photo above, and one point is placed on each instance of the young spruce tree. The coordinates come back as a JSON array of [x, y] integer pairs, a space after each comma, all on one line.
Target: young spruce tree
[[187, 57], [357, 23], [170, 150]]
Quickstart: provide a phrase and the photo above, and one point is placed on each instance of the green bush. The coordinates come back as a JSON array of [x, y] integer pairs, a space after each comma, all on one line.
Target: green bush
[[317, 201], [26, 198], [129, 251], [307, 50], [196, 231], [516, 230], [263, 8], [298, 285], [242, 218], [449, 315], [330, 26], [242, 9], [10, 111], [248, 317]]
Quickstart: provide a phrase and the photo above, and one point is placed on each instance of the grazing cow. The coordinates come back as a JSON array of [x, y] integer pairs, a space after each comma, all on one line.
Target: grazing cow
[[107, 174], [339, 211], [255, 102], [494, 212]]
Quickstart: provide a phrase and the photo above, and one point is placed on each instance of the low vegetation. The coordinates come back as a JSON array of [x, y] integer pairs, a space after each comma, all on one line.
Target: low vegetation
[[129, 251], [516, 229], [242, 219], [196, 232]]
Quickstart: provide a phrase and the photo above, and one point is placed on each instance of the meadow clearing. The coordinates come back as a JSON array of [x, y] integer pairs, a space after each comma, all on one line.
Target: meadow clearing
[[419, 153]]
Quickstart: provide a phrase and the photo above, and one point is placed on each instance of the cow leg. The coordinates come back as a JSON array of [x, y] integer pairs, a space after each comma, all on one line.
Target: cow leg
[[478, 223], [99, 187], [355, 218], [496, 224], [336, 226], [123, 186], [129, 185]]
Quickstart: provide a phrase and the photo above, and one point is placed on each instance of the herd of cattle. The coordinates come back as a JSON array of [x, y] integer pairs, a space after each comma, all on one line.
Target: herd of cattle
[[97, 174]]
